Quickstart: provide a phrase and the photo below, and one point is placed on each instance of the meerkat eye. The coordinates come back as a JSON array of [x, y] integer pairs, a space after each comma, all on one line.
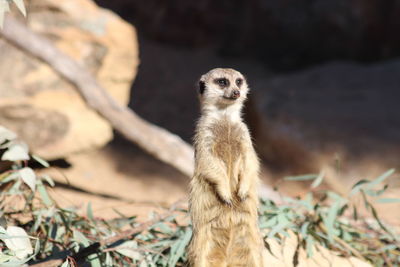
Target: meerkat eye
[[223, 82], [239, 82]]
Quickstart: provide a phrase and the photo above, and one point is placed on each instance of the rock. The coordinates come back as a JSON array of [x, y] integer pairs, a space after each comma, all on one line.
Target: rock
[[44, 109], [339, 107]]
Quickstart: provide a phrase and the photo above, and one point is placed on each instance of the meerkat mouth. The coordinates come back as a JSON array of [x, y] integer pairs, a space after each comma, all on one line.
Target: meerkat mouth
[[230, 98]]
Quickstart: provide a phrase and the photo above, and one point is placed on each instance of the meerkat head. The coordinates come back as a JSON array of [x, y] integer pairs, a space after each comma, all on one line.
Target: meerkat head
[[222, 88]]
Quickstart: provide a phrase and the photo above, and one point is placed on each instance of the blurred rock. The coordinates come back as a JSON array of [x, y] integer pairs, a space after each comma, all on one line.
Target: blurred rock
[[44, 109], [339, 107]]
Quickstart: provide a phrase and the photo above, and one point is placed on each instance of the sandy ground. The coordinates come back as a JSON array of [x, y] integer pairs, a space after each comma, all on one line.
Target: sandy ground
[[121, 177], [128, 181]]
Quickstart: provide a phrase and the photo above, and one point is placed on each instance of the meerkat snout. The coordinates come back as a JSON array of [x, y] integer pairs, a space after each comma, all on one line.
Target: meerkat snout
[[235, 94]]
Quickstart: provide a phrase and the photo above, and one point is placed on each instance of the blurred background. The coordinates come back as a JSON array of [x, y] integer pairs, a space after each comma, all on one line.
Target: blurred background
[[324, 78]]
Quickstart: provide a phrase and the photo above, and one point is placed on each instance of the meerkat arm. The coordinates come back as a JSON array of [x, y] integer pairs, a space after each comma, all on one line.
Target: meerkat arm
[[250, 171], [248, 176], [213, 171]]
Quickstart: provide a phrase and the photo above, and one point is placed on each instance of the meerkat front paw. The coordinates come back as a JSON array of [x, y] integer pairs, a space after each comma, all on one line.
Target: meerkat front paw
[[243, 191], [242, 194], [225, 197], [227, 202]]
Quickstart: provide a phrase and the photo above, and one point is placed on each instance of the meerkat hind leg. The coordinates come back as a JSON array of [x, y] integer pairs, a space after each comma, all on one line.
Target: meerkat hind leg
[[213, 248], [242, 252]]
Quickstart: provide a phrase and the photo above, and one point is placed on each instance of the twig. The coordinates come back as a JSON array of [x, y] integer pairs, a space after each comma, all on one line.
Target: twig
[[93, 248], [137, 250], [343, 243], [129, 233], [387, 260]]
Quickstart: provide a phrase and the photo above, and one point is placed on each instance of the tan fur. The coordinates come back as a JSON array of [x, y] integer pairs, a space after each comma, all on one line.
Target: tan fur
[[223, 197]]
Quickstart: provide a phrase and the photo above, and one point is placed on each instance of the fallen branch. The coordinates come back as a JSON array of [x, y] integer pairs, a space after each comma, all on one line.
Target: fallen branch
[[157, 141], [160, 143]]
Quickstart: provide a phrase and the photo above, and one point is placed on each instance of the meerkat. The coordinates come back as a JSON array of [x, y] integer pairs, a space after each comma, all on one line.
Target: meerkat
[[223, 190]]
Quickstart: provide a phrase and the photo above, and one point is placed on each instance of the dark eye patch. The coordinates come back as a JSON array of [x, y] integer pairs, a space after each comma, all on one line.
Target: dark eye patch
[[222, 82], [239, 82]]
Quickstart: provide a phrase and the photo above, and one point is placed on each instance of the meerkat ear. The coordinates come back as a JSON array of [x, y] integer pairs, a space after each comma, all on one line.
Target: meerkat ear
[[202, 87]]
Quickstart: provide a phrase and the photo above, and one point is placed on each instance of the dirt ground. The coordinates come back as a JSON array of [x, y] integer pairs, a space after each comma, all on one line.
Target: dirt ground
[[121, 178], [112, 178]]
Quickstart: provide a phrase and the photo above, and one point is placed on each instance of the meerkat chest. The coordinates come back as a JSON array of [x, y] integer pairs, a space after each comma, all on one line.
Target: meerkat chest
[[227, 143]]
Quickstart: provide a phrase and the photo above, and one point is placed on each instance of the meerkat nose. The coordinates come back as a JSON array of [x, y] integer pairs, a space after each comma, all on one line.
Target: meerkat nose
[[235, 94]]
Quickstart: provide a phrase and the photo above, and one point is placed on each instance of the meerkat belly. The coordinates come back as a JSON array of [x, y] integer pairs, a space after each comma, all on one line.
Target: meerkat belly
[[227, 145]]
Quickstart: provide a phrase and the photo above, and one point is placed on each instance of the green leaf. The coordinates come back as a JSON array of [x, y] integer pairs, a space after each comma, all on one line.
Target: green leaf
[[307, 202], [43, 193], [5, 134], [342, 209], [355, 213], [269, 223], [330, 220], [13, 262], [381, 178], [38, 221], [388, 247], [109, 261], [178, 248], [4, 7], [304, 229], [41, 161], [318, 180], [129, 249], [65, 264], [164, 228], [388, 200], [94, 260], [89, 212], [15, 188], [21, 6], [29, 177], [375, 214], [16, 152], [80, 238], [336, 197], [310, 246], [358, 186], [60, 232], [376, 193], [276, 229], [10, 177], [48, 180], [347, 237], [5, 258], [18, 242], [301, 177], [37, 247]]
